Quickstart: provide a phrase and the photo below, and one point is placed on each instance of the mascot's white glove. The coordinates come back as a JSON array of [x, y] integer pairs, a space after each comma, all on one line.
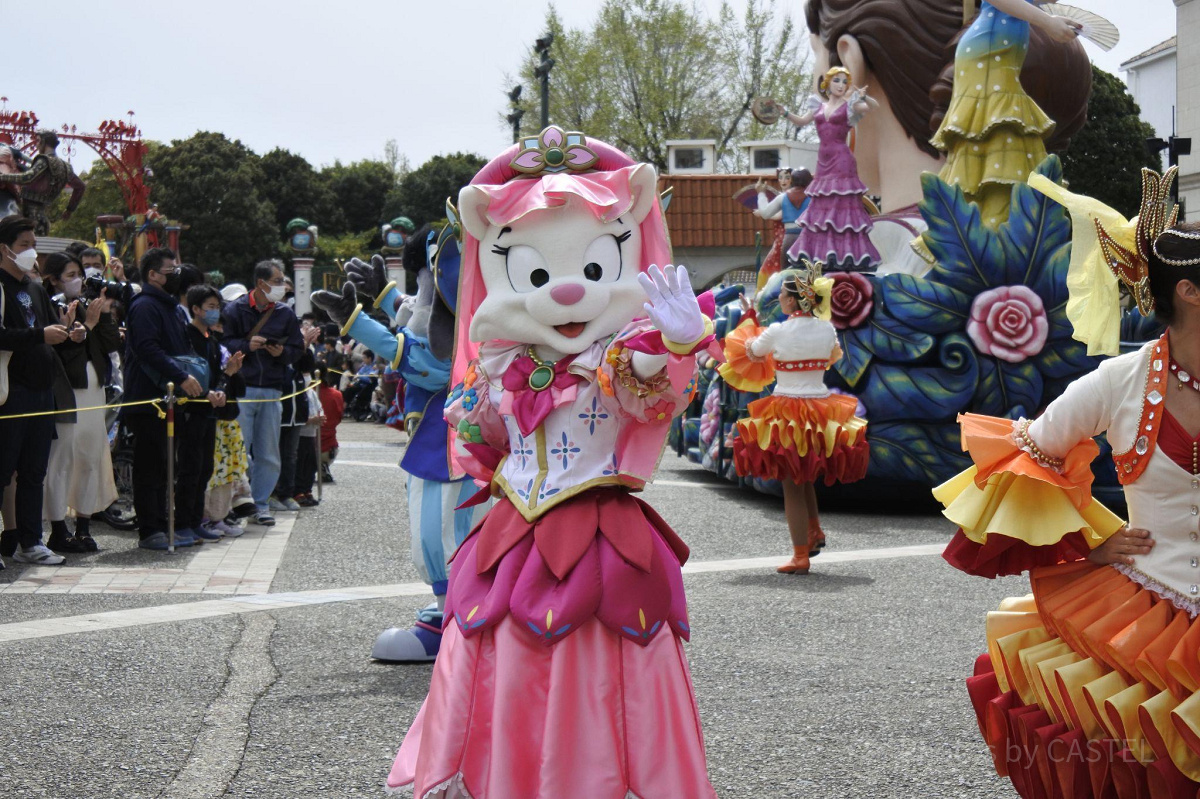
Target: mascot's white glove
[[673, 307]]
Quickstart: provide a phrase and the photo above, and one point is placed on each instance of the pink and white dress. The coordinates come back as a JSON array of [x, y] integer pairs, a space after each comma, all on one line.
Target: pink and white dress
[[562, 671]]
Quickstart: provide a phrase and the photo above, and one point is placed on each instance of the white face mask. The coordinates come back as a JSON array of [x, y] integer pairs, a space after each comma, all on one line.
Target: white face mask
[[71, 288], [93, 271], [275, 293], [26, 261]]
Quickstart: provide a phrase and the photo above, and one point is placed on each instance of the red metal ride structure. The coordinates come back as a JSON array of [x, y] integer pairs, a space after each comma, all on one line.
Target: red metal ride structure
[[118, 143]]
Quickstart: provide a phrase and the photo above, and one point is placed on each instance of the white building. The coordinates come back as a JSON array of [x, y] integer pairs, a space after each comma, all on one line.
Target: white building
[[1187, 100], [1151, 80]]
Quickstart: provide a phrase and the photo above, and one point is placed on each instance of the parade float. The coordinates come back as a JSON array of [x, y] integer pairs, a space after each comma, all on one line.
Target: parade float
[[967, 311]]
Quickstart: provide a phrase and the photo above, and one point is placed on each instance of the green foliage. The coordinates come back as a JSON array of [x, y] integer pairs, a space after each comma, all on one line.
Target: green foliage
[[650, 71], [213, 185], [1106, 157], [360, 190], [344, 247], [422, 193], [102, 196], [298, 190]]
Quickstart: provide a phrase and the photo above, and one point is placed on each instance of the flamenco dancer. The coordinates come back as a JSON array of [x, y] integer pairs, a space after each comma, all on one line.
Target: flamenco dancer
[[783, 211], [562, 671], [835, 228], [801, 432], [1088, 688], [993, 131]]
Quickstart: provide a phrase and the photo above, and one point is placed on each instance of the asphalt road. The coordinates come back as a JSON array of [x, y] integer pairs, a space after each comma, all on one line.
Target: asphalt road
[[845, 683]]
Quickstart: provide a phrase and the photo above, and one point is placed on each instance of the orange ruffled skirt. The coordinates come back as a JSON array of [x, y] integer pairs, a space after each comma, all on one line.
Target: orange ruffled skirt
[[802, 439], [1088, 689]]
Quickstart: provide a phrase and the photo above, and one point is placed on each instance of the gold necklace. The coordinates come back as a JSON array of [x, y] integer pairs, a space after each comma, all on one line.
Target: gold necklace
[[543, 373]]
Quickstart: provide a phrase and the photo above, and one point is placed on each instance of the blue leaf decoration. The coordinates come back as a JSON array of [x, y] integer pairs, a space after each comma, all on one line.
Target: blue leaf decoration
[[937, 393], [926, 305], [966, 249], [1008, 389], [1036, 234], [855, 358], [1065, 359], [929, 454], [893, 341]]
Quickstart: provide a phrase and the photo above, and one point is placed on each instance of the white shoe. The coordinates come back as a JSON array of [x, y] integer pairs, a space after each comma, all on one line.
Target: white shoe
[[291, 504], [276, 505], [39, 555]]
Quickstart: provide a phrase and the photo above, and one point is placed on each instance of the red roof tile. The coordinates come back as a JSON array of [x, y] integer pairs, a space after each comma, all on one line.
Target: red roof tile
[[703, 212]]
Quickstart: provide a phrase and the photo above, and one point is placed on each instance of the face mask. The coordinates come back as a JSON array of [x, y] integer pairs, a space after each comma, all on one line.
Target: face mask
[[93, 271], [71, 288], [276, 293], [172, 284], [25, 261], [212, 317]]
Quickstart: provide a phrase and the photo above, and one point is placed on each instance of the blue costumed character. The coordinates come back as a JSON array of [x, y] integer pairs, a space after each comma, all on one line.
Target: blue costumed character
[[421, 324]]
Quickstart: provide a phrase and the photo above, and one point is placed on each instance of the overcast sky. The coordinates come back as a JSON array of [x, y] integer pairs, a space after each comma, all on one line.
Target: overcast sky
[[333, 80]]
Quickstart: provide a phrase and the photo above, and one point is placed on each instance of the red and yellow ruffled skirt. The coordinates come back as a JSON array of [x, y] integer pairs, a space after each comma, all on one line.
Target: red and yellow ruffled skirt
[[1088, 685], [802, 439], [1088, 689]]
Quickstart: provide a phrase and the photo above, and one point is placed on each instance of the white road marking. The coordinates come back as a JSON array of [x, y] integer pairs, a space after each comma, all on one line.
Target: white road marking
[[187, 611]]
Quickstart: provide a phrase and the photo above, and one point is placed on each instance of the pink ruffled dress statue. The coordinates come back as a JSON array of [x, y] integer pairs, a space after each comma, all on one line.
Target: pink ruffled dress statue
[[562, 670], [835, 228]]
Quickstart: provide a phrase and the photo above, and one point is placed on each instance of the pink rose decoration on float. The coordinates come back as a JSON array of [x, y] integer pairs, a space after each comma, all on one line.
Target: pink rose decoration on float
[[1009, 323], [851, 300]]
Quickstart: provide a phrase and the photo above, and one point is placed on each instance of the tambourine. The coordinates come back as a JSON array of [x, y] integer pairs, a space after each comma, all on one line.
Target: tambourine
[[766, 110]]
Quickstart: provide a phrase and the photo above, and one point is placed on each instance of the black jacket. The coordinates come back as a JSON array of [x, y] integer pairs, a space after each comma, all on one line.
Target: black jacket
[[101, 341], [154, 331], [210, 348], [261, 369], [32, 365]]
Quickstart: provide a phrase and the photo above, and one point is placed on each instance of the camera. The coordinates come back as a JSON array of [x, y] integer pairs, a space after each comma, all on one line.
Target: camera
[[94, 285]]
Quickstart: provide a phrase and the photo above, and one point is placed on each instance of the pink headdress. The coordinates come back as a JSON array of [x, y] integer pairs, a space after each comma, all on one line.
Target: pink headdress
[[544, 172]]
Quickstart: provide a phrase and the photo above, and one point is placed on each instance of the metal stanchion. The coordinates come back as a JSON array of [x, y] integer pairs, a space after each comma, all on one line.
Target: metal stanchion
[[320, 467], [170, 400]]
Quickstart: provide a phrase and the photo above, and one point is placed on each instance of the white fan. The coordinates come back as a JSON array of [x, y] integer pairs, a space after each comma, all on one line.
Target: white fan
[[1093, 27]]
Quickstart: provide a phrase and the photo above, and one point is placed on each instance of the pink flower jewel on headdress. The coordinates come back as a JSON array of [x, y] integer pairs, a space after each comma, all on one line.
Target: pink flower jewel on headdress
[[554, 151]]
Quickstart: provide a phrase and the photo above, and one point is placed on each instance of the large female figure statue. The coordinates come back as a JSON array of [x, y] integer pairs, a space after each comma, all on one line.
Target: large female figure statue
[[993, 132], [834, 230]]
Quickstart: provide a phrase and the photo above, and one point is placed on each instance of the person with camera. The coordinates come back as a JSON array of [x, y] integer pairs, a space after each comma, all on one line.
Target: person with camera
[[30, 326], [268, 333], [198, 435], [157, 351], [80, 474]]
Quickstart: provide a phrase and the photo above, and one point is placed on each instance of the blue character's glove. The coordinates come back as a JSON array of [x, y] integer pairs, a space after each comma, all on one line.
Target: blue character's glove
[[420, 367]]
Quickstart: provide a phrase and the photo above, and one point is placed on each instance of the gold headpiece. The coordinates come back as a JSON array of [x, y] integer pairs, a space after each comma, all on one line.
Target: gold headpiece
[[811, 289], [1132, 266]]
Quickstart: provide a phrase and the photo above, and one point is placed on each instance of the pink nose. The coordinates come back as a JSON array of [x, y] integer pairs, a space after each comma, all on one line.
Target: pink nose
[[567, 293]]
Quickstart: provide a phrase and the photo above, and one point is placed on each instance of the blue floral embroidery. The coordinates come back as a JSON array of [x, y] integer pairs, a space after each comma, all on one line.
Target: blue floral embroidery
[[611, 469], [565, 450], [594, 417], [523, 493], [470, 399], [547, 492], [523, 451]]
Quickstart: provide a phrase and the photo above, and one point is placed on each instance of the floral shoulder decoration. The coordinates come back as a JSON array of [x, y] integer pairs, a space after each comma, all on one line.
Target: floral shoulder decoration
[[554, 151]]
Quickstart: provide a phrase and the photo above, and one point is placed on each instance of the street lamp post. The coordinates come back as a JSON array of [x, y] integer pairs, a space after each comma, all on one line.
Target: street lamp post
[[514, 118], [542, 71]]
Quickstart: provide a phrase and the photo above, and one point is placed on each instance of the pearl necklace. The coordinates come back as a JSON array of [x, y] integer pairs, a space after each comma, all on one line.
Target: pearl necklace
[[1183, 377]]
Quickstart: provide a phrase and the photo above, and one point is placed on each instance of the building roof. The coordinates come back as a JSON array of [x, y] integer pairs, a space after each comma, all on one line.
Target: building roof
[[1161, 47], [703, 212]]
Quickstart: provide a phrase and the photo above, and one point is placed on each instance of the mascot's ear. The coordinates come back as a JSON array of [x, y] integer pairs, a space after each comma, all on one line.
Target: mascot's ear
[[643, 185], [472, 209], [441, 331]]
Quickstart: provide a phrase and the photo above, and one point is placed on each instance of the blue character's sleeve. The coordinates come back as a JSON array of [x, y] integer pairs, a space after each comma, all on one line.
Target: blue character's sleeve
[[389, 299], [419, 366], [377, 338]]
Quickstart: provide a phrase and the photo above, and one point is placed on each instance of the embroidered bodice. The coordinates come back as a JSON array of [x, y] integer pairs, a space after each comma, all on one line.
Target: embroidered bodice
[[606, 426], [1124, 398]]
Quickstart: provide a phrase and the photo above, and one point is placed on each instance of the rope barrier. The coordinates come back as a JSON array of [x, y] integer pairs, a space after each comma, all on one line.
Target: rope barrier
[[157, 403]]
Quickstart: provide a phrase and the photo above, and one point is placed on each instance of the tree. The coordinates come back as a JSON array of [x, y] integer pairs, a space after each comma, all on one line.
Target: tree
[[654, 70], [422, 193], [360, 190], [297, 190], [1106, 157], [213, 186]]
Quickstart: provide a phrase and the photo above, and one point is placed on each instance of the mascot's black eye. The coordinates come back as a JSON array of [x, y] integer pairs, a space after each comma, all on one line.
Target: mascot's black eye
[[539, 277], [593, 271]]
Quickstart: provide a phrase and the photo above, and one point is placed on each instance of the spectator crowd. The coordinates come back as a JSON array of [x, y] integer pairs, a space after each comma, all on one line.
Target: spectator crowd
[[259, 397]]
